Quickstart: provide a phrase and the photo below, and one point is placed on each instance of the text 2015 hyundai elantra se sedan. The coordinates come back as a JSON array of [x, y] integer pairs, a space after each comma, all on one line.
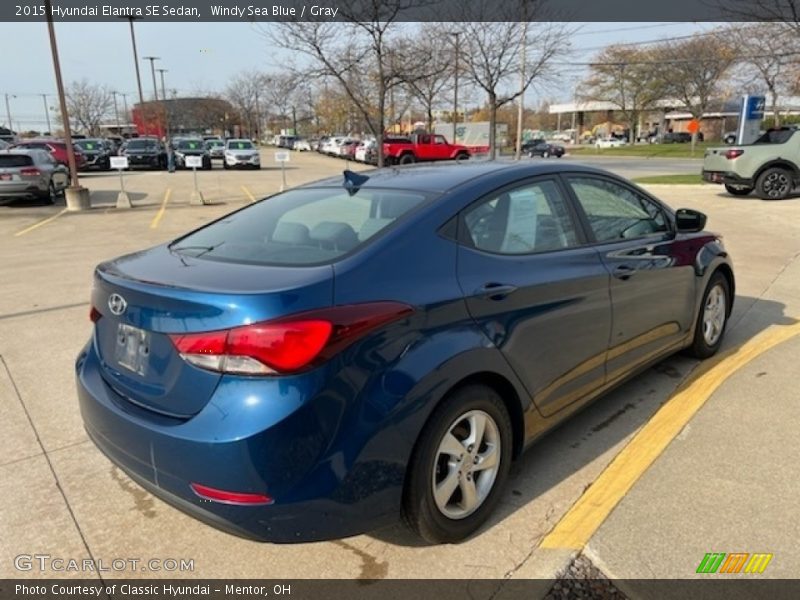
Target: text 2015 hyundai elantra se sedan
[[321, 362]]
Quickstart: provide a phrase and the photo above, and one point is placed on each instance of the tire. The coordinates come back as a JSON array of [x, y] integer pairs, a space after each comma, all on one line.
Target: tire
[[545, 154], [738, 190], [461, 157], [407, 159], [225, 165], [446, 520], [712, 318], [50, 195], [774, 184]]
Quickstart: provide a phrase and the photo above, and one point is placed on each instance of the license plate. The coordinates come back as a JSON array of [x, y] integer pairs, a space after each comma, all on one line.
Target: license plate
[[132, 348], [5, 177]]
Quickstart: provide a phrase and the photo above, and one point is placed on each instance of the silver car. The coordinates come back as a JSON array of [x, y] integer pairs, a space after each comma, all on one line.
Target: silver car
[[216, 148], [31, 174], [241, 153]]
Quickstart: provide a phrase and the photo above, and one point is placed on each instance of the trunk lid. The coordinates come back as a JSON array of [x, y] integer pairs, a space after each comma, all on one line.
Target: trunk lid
[[146, 296]]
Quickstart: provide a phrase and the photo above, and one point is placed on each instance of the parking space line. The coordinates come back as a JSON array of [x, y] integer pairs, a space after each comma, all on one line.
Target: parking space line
[[580, 523], [157, 219], [40, 223], [249, 194]]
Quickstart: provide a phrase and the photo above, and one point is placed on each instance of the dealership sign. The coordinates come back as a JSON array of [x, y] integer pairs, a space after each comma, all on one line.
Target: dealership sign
[[750, 117]]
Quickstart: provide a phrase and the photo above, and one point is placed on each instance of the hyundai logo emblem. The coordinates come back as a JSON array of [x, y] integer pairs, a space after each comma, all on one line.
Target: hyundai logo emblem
[[117, 304]]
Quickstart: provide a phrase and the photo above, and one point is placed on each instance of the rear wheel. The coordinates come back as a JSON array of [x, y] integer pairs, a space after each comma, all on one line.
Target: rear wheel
[[774, 184], [407, 159], [462, 156], [459, 466], [738, 190], [712, 318], [50, 196], [545, 154]]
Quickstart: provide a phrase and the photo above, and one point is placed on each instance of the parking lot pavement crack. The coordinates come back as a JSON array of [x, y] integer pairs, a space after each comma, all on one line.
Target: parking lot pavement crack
[[59, 487], [371, 567], [582, 579]]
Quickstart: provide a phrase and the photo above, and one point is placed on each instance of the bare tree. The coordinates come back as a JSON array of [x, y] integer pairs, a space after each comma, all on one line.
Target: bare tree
[[356, 54], [242, 92], [435, 52], [280, 91], [694, 69], [780, 11], [492, 53], [628, 78], [88, 105], [772, 59]]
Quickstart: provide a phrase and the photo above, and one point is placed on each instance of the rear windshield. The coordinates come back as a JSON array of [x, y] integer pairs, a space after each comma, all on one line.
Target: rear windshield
[[299, 227], [776, 136], [15, 160]]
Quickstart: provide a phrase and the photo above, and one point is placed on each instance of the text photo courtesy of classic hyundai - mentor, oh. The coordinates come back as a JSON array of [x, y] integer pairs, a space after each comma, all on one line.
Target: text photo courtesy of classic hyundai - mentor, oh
[[382, 345]]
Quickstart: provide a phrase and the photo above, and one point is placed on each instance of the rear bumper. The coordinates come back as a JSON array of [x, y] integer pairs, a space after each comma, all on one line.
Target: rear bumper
[[21, 189], [292, 451], [727, 177]]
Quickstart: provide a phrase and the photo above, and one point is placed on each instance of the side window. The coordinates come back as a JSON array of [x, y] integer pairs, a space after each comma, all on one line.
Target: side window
[[616, 212], [531, 218], [439, 140]]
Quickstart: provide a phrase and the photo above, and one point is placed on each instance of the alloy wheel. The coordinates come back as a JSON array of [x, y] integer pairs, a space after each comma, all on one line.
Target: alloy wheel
[[714, 315]]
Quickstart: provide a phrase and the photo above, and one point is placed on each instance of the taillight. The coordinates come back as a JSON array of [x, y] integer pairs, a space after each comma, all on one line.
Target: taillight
[[288, 344], [733, 153], [226, 497], [94, 315], [30, 172]]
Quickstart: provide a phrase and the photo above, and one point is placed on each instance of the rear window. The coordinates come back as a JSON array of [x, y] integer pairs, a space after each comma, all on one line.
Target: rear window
[[299, 227], [8, 161], [776, 136]]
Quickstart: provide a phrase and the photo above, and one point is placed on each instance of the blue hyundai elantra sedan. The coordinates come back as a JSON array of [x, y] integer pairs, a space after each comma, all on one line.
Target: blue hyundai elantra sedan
[[384, 344]]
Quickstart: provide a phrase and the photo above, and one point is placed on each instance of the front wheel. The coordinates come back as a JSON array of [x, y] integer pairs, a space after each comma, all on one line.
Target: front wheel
[[774, 184], [459, 466], [712, 318], [738, 190]]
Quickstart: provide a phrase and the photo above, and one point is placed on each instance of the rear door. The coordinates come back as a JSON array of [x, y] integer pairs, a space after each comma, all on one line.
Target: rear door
[[537, 291], [652, 284]]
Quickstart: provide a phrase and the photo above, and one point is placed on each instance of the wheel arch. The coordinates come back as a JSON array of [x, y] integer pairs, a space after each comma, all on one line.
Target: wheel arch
[[780, 163]]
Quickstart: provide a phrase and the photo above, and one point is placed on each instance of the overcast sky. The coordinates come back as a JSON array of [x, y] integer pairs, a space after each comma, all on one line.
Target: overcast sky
[[199, 56]]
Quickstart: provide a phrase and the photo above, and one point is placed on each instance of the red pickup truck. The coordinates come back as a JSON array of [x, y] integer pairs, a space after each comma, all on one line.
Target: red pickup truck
[[422, 148]]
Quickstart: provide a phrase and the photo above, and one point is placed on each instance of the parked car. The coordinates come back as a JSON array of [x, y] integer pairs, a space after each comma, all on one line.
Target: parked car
[[97, 151], [770, 165], [321, 143], [347, 149], [4, 144], [543, 149], [608, 142], [301, 145], [290, 372], [422, 148], [366, 151], [31, 173], [56, 148], [147, 152], [680, 137], [216, 149], [331, 146], [241, 153], [192, 147], [286, 141]]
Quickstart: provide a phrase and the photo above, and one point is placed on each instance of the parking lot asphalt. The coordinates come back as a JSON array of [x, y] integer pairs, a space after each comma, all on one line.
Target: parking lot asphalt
[[731, 462]]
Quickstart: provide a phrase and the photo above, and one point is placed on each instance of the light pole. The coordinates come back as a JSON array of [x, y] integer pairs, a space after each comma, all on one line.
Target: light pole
[[46, 113], [116, 111], [164, 101], [455, 87], [125, 112], [8, 112], [136, 60], [153, 60], [76, 196]]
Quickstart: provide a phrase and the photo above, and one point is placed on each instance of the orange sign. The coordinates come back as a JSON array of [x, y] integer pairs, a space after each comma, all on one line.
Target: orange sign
[[693, 126]]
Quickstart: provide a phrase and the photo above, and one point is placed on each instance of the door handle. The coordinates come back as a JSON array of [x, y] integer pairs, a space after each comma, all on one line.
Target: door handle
[[623, 272], [495, 291]]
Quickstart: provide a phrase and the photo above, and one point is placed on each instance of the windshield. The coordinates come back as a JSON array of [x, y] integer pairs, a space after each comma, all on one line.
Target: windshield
[[190, 145], [299, 227], [89, 144], [214, 143], [142, 145], [240, 145]]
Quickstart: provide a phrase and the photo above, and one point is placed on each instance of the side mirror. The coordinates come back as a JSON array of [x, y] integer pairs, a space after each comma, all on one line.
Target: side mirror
[[689, 221]]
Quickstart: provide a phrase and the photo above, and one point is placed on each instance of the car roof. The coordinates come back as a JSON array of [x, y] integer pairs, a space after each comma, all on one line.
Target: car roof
[[442, 178]]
